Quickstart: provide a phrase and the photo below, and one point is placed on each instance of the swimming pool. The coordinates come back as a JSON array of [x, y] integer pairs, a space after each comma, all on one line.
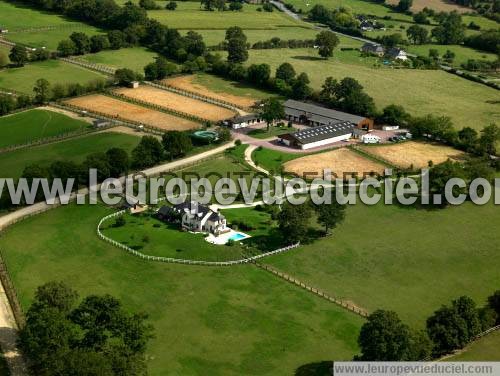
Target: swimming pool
[[237, 236]]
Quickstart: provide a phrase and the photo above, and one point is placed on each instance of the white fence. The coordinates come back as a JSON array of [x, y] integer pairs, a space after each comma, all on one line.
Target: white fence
[[183, 261]]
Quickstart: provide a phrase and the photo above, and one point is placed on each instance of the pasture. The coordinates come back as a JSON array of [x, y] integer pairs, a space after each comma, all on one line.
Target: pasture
[[224, 321], [29, 126], [272, 160], [483, 350], [135, 58], [177, 102], [403, 259], [127, 111], [56, 72], [76, 150], [462, 53], [437, 92], [343, 163], [413, 154]]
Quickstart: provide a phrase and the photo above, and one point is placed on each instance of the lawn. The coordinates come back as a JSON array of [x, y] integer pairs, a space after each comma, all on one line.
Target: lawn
[[135, 58], [214, 321], [76, 150], [55, 71], [151, 236], [419, 91], [485, 349], [403, 259], [50, 38], [263, 133], [32, 125], [272, 160], [462, 54], [18, 16], [190, 16]]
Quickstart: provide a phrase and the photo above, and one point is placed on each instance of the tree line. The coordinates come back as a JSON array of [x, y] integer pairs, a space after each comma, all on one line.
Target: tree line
[[384, 337]]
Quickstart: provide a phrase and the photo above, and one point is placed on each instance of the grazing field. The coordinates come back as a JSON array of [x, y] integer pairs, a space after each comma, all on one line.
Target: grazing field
[[127, 111], [437, 5], [437, 92], [32, 125], [190, 16], [217, 88], [462, 53], [50, 38], [416, 154], [343, 163], [177, 102], [135, 58], [486, 349], [272, 160], [76, 150], [216, 321], [55, 71], [404, 259]]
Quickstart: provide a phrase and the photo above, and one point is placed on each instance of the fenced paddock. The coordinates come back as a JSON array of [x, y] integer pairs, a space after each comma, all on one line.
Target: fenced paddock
[[177, 102], [120, 110]]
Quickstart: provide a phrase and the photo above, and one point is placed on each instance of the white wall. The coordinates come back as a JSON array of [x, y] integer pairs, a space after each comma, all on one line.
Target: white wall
[[326, 142]]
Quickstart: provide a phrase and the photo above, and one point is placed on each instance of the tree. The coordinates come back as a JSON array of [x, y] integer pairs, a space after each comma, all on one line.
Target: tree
[[268, 7], [148, 4], [66, 48], [468, 138], [7, 104], [125, 76], [148, 153], [18, 55], [99, 162], [293, 221], [490, 135], [447, 330], [99, 43], [235, 6], [384, 337], [81, 41], [450, 30], [417, 34], [285, 72], [176, 144], [404, 5], [259, 74], [237, 51], [326, 42], [394, 115], [272, 109], [300, 87], [235, 32], [494, 302], [171, 5], [330, 215], [42, 90], [440, 174], [116, 39], [118, 161], [97, 337], [466, 308]]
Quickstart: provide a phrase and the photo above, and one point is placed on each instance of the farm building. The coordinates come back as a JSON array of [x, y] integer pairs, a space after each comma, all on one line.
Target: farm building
[[397, 54], [317, 116], [244, 121], [101, 123], [370, 139], [373, 49], [318, 136], [194, 217]]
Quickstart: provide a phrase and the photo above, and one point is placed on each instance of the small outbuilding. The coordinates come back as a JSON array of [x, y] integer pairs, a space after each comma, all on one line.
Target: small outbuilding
[[396, 53], [101, 123], [244, 121], [370, 139]]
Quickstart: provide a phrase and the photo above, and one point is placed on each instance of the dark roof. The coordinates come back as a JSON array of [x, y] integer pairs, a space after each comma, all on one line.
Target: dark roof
[[215, 217], [372, 47], [192, 206], [244, 118], [318, 113], [324, 132], [165, 210], [394, 51]]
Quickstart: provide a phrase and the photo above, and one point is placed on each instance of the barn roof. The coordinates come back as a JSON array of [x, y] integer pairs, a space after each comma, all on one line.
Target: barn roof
[[324, 132], [321, 114]]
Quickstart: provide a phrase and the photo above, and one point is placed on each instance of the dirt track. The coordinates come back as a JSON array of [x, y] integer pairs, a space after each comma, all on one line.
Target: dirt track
[[187, 83], [178, 102], [418, 154], [128, 111], [342, 162]]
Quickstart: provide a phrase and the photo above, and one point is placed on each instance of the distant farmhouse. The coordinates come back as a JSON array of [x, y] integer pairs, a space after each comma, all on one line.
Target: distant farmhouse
[[194, 217], [373, 49], [316, 116], [397, 54]]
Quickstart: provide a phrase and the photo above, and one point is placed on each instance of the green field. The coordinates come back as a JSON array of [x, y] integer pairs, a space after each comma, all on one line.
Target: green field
[[407, 260], [462, 54], [190, 16], [419, 91], [55, 71], [484, 350], [32, 125], [272, 160], [133, 58], [50, 38], [18, 16], [76, 150], [213, 321]]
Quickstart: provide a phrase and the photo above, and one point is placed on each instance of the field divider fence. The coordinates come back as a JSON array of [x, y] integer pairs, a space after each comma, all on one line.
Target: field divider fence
[[193, 95], [92, 66], [157, 107]]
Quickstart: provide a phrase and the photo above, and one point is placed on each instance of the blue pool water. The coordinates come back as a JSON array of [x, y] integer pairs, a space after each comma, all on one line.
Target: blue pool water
[[237, 236]]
